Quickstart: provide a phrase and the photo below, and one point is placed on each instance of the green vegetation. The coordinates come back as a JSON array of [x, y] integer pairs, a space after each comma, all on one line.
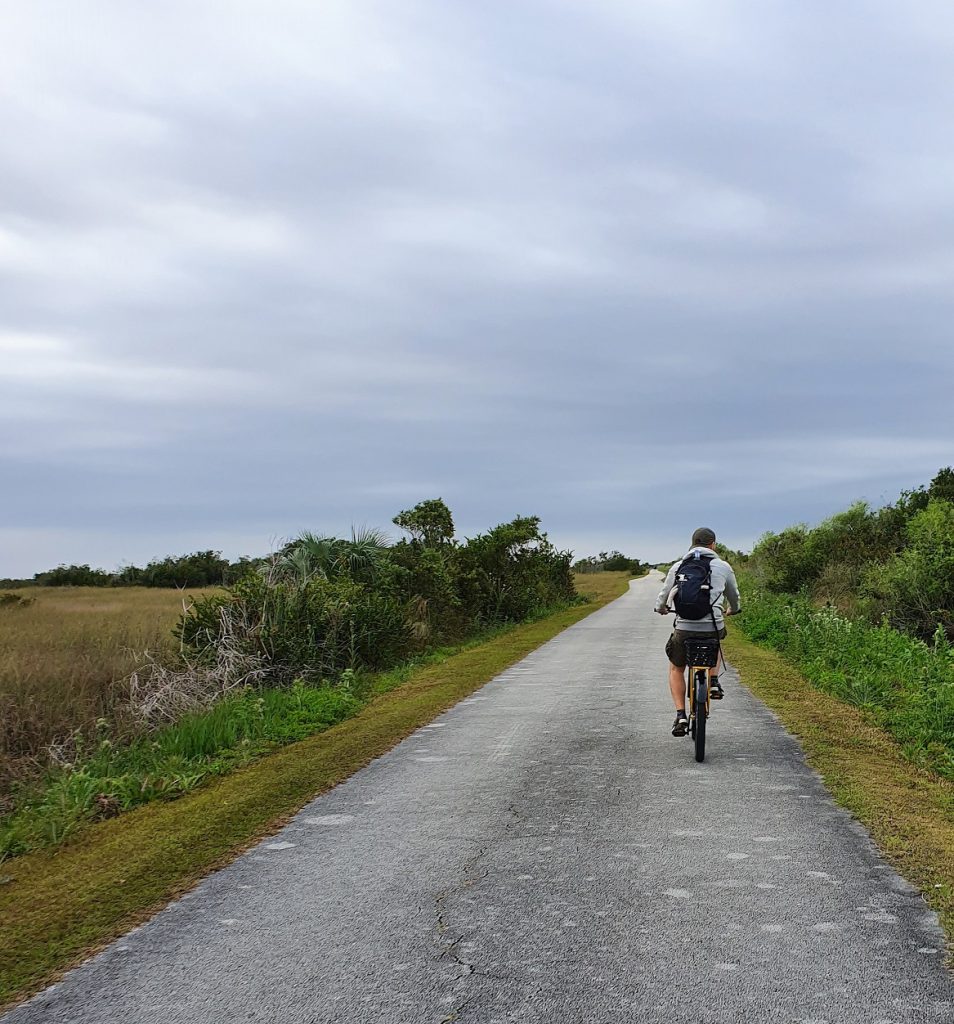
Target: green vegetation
[[612, 561], [325, 605], [908, 810], [117, 871], [894, 564], [110, 779], [283, 652], [862, 609], [906, 685], [863, 604], [199, 569]]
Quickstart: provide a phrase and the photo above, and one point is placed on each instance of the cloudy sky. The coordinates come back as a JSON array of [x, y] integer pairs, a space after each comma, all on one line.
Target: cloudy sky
[[631, 267]]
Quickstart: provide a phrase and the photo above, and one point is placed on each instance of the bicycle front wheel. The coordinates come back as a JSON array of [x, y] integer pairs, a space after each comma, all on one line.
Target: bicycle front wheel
[[701, 691]]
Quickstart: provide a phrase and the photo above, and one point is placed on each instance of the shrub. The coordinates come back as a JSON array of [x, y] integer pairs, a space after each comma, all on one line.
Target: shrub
[[611, 561], [513, 572], [914, 589], [74, 576], [895, 563], [324, 605], [907, 684], [311, 627]]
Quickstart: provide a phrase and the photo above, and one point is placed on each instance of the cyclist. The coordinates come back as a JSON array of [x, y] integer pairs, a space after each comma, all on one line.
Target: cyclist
[[723, 586]]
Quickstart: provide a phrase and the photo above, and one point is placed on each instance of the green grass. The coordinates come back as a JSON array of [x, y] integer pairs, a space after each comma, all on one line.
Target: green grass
[[116, 872], [113, 778], [906, 685], [909, 810]]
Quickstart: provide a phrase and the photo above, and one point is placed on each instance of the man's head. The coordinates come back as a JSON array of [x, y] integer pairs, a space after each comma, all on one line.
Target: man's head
[[703, 538]]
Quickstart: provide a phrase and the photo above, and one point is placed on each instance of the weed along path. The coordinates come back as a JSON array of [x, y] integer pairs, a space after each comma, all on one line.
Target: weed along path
[[545, 852]]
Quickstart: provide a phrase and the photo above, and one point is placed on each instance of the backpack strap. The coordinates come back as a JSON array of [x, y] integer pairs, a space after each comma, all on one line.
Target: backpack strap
[[708, 558], [715, 628]]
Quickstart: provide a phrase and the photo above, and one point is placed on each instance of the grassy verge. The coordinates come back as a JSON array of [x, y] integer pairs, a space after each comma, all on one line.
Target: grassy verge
[[905, 684], [57, 906], [112, 779], [908, 810]]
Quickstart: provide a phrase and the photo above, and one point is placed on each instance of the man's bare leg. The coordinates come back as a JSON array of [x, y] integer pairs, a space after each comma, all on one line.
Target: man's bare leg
[[677, 686], [714, 674]]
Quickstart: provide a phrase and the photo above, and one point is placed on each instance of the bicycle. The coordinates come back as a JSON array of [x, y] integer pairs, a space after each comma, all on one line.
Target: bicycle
[[701, 656]]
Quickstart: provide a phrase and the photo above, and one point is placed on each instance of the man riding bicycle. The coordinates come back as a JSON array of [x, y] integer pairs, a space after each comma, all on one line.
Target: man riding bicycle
[[700, 562]]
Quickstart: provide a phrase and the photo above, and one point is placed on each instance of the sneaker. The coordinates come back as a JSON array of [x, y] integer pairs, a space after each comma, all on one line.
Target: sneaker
[[715, 688], [681, 725]]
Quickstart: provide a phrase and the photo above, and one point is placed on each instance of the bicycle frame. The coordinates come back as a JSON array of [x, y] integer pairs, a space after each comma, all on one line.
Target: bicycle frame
[[691, 690], [701, 657]]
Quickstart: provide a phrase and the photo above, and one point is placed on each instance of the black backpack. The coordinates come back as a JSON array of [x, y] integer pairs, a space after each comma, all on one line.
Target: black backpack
[[693, 597]]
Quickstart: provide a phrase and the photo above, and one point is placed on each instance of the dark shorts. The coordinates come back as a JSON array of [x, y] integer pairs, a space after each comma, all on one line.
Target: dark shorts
[[676, 644]]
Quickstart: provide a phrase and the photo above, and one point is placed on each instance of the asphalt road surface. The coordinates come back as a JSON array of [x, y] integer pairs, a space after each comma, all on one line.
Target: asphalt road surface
[[546, 852]]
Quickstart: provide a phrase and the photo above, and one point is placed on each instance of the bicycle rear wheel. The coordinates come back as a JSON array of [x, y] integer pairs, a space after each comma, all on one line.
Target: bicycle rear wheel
[[701, 684]]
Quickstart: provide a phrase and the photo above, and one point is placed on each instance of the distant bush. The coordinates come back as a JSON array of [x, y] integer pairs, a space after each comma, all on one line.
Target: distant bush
[[199, 569], [611, 561], [74, 576]]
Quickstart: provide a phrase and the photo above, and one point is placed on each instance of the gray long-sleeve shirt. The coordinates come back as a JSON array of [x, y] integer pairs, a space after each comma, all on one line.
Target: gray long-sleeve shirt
[[724, 586]]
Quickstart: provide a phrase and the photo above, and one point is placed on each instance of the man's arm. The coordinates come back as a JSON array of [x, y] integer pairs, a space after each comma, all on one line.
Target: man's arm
[[662, 601], [732, 593]]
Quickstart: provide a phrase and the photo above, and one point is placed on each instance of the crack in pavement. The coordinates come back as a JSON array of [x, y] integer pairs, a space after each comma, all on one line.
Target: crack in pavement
[[469, 879]]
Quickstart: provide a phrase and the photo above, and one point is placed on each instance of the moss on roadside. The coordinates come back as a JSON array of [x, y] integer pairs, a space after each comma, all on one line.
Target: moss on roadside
[[58, 906], [909, 811]]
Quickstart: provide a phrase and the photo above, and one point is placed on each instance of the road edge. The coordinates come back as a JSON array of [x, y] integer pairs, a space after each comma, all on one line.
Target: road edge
[[908, 811]]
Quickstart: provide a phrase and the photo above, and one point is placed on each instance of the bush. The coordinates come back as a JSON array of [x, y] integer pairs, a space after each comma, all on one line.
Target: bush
[[74, 576], [324, 605], [914, 589], [513, 572], [907, 684], [896, 563], [315, 628], [611, 561]]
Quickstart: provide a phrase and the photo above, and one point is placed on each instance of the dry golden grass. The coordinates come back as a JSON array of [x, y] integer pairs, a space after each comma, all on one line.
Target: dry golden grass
[[61, 656]]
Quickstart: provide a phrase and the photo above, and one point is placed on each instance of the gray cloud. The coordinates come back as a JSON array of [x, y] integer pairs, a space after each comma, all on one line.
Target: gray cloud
[[629, 267]]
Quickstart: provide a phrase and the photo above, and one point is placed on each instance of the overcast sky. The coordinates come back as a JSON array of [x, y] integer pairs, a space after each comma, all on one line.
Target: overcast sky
[[631, 267]]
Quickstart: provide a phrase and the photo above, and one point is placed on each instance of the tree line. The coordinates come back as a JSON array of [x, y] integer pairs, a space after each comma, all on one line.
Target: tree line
[[198, 569]]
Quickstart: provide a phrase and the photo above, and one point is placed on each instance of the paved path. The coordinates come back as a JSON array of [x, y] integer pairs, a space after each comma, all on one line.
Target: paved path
[[546, 852]]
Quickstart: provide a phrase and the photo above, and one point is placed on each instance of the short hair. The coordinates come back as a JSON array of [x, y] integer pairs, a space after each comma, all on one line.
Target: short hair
[[703, 537]]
